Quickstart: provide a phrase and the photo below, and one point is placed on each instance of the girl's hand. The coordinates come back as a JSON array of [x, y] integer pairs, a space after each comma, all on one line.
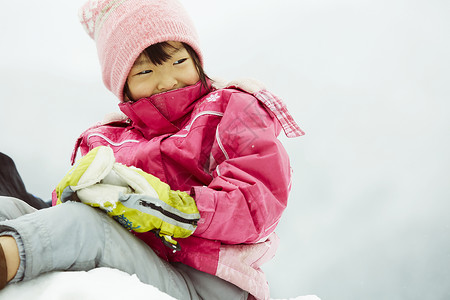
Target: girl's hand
[[137, 200]]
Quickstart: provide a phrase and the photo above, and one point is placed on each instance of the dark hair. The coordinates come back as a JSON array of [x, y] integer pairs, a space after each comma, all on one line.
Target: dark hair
[[11, 183], [158, 54]]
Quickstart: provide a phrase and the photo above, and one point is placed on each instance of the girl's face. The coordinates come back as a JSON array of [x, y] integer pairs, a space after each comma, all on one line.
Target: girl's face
[[146, 79]]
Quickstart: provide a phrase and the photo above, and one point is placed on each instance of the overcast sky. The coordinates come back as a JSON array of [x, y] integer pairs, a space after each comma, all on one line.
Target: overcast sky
[[368, 81]]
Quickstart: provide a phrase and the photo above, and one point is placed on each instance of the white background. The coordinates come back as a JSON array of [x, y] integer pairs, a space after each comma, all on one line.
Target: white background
[[368, 81]]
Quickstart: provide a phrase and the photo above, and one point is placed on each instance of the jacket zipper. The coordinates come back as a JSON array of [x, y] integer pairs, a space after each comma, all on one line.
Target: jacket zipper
[[193, 221]]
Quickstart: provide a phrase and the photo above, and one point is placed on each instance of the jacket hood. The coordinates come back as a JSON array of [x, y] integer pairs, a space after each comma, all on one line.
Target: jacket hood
[[163, 113]]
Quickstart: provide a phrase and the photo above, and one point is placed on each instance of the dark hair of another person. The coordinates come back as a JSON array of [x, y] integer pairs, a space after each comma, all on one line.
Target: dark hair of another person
[[11, 183]]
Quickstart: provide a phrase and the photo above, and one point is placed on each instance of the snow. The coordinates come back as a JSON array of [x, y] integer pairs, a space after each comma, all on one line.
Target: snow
[[100, 283]]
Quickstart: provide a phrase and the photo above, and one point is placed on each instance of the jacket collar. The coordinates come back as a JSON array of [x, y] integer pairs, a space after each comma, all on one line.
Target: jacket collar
[[163, 113]]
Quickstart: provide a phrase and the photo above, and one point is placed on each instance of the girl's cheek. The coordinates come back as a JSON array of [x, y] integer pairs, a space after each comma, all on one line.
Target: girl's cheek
[[194, 77]]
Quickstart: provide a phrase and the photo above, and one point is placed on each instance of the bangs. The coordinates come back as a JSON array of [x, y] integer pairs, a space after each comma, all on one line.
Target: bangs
[[159, 53]]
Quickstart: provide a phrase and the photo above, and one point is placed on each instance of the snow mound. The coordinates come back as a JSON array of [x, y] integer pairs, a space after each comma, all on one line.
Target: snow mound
[[100, 283]]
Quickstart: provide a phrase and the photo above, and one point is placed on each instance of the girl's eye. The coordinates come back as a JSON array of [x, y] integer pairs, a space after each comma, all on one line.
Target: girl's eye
[[144, 72], [180, 61]]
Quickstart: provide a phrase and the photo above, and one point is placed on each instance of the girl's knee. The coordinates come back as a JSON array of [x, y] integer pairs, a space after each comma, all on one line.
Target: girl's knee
[[12, 208], [80, 222], [81, 214]]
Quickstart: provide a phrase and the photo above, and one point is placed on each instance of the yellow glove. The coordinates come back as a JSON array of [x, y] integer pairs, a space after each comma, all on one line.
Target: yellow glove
[[137, 200]]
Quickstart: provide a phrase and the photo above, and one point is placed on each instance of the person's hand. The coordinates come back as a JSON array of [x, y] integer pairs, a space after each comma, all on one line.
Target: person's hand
[[137, 200]]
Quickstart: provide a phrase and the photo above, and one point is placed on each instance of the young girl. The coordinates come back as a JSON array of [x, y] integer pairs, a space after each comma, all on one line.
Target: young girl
[[219, 145]]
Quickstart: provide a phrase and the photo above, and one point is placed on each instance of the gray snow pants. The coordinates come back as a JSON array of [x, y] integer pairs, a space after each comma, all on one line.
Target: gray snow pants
[[73, 236]]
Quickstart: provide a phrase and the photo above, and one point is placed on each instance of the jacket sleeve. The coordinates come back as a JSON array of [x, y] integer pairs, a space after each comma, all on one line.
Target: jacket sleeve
[[251, 183]]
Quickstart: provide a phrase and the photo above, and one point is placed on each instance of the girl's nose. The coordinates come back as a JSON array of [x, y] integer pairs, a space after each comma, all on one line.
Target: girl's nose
[[167, 83]]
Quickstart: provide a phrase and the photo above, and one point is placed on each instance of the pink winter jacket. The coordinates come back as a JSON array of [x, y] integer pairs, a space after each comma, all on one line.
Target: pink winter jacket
[[222, 148]]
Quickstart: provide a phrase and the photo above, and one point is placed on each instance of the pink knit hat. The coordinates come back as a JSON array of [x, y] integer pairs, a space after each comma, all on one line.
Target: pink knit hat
[[122, 29]]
